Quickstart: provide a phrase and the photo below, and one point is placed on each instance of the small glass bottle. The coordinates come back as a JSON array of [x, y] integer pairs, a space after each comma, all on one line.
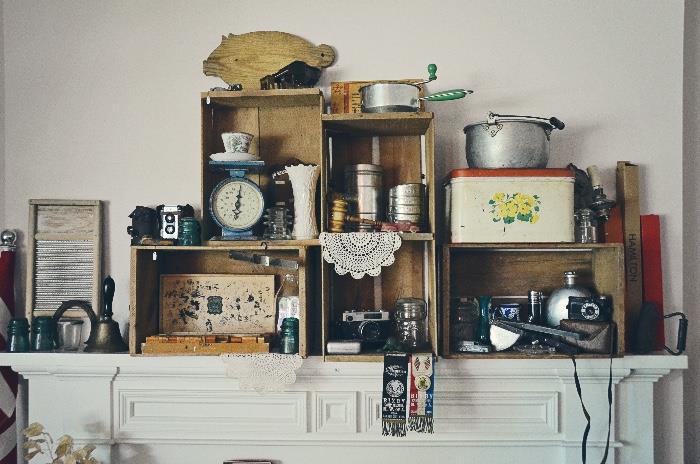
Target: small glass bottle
[[18, 335], [190, 232], [465, 319], [289, 342], [43, 334], [484, 326]]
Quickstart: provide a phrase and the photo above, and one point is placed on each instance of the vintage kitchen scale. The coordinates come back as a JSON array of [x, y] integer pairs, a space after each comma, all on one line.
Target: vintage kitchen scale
[[236, 204]]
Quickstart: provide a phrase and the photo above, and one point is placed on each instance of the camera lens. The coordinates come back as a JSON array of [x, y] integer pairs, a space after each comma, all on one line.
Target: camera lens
[[170, 217], [170, 229], [370, 331], [349, 318], [590, 311]]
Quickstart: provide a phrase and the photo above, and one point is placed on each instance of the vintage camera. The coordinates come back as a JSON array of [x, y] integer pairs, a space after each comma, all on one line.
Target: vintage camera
[[590, 308], [170, 216], [144, 224], [367, 326]]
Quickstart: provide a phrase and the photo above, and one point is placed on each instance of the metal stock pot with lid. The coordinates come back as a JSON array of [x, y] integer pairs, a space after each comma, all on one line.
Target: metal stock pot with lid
[[509, 141]]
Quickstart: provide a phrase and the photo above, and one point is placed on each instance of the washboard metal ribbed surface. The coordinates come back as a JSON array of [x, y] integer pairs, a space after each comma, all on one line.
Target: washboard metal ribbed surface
[[65, 253]]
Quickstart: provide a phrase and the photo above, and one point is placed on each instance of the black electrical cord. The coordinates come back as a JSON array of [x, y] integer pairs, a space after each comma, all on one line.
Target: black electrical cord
[[588, 416]]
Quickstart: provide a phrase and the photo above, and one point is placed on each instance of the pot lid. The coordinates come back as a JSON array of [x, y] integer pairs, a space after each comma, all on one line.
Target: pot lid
[[510, 172]]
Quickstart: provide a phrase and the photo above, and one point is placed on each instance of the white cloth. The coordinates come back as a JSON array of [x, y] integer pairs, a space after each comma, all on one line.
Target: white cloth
[[360, 253], [262, 372]]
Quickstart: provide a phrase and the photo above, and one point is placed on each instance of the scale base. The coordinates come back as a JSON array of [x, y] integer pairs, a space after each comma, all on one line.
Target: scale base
[[230, 236]]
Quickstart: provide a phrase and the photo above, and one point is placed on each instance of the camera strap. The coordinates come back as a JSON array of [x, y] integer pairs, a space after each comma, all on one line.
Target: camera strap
[[588, 416], [394, 394]]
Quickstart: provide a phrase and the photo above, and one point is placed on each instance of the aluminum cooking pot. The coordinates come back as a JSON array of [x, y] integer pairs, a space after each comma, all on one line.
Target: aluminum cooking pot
[[389, 97], [507, 141], [398, 97]]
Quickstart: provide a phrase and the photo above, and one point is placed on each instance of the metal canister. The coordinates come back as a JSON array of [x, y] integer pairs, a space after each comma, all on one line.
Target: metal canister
[[363, 185], [407, 203], [411, 330], [18, 335], [534, 301], [190, 232]]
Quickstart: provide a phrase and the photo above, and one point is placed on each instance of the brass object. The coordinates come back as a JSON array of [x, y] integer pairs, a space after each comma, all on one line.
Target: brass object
[[105, 336]]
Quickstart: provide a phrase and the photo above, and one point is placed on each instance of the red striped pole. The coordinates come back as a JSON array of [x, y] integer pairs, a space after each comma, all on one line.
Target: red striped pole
[[8, 379]]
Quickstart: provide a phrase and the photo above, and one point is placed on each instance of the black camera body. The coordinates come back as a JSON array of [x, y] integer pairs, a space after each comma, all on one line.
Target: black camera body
[[597, 309], [170, 216], [367, 326]]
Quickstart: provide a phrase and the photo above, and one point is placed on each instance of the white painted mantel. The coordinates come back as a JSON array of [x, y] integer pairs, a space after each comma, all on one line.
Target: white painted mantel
[[186, 410]]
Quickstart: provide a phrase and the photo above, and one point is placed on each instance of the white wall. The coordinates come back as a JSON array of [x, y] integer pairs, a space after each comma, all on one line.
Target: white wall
[[691, 222], [102, 97]]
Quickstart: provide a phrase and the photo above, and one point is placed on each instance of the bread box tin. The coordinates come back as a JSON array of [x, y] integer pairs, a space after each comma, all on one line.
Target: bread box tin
[[510, 205]]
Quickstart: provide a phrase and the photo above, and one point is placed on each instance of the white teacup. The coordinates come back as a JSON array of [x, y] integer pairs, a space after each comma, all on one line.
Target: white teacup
[[237, 142]]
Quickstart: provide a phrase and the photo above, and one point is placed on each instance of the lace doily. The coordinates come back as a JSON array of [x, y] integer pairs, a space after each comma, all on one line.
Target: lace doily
[[360, 253], [262, 372]]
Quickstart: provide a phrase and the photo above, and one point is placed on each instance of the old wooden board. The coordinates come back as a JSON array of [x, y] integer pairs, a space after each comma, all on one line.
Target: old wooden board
[[64, 254], [246, 58], [217, 303], [204, 345]]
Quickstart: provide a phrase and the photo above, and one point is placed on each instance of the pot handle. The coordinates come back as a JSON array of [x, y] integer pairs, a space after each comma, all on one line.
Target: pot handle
[[454, 94], [554, 122]]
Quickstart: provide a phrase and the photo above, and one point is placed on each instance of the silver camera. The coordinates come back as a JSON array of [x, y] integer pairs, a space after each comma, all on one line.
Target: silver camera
[[370, 327], [170, 216], [359, 316]]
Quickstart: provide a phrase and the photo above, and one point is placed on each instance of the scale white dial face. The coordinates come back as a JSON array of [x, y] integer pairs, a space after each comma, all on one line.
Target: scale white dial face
[[237, 204]]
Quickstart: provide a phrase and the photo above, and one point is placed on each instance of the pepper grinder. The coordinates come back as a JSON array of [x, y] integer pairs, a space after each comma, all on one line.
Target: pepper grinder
[[106, 337]]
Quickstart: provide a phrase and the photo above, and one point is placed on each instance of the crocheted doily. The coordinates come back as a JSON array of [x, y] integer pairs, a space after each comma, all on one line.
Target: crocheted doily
[[360, 253], [262, 372]]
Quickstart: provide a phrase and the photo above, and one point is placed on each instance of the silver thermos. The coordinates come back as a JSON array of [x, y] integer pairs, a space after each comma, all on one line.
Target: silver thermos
[[363, 189]]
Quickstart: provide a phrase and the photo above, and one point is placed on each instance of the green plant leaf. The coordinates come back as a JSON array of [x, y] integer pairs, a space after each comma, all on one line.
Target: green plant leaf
[[537, 208]]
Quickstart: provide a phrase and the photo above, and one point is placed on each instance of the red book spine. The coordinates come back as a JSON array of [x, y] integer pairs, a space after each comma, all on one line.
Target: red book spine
[[652, 276], [613, 227]]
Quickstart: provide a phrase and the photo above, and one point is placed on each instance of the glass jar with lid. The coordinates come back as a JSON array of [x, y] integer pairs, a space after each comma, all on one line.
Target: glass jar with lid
[[410, 315]]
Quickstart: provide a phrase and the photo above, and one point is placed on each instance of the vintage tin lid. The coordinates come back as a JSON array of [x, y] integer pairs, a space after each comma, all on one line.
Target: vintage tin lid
[[507, 172], [364, 167]]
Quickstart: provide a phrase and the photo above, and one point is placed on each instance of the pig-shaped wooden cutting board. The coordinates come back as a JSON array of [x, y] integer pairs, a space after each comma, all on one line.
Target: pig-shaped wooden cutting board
[[247, 58]]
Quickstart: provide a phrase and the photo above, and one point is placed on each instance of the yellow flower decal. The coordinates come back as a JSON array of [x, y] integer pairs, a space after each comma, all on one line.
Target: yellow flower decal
[[518, 206]]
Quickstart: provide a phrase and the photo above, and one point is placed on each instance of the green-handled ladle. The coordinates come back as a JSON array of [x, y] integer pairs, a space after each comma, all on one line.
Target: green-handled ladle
[[454, 94]]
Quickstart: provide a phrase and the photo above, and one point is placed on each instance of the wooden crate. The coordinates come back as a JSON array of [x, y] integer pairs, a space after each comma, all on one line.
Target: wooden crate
[[405, 144], [148, 263], [470, 270], [286, 124]]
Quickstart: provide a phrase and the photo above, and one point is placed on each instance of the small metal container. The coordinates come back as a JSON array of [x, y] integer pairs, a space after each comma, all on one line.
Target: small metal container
[[407, 203], [363, 185], [411, 328]]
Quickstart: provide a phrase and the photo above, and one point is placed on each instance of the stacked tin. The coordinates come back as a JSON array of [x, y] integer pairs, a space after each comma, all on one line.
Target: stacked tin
[[363, 186], [407, 203]]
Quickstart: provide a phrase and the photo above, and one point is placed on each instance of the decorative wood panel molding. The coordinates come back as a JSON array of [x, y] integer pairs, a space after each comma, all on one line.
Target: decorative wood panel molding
[[490, 409]]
